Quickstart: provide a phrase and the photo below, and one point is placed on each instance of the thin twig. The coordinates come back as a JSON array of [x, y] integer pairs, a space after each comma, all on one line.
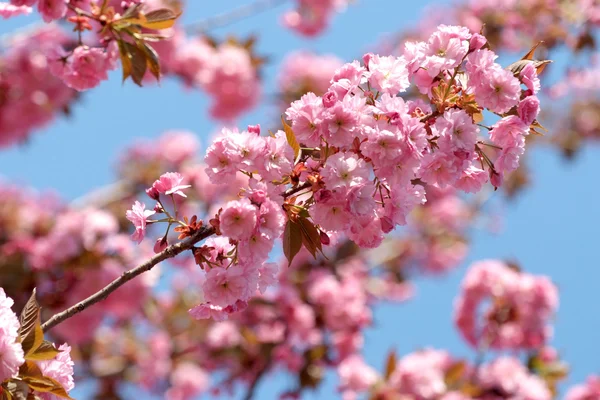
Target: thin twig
[[232, 16], [254, 384], [296, 189], [102, 294]]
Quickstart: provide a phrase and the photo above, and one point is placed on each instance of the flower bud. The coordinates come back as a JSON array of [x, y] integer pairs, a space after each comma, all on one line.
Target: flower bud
[[329, 99], [366, 58], [152, 193], [254, 129], [160, 245], [477, 42]]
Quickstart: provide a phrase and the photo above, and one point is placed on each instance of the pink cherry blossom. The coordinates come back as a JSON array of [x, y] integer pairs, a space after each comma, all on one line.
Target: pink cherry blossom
[[225, 287], [10, 10], [388, 74], [138, 215], [238, 219], [11, 352], [88, 66], [584, 391], [520, 310], [169, 183], [60, 369], [355, 375], [52, 9]]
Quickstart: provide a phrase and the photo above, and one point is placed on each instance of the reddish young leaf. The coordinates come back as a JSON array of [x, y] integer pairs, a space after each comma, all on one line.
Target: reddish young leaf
[[292, 240]]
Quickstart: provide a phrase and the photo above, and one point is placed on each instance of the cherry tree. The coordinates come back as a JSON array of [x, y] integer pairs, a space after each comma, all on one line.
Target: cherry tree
[[278, 243]]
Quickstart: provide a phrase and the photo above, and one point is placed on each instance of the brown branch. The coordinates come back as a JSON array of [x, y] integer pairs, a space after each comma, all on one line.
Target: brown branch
[[254, 384], [102, 294], [296, 189], [230, 17]]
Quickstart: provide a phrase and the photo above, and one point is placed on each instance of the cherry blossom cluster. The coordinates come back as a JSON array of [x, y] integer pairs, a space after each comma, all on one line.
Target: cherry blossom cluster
[[58, 368], [521, 307], [588, 390], [227, 72], [512, 26], [380, 149], [432, 373], [234, 262], [28, 88], [518, 318], [11, 350], [311, 17]]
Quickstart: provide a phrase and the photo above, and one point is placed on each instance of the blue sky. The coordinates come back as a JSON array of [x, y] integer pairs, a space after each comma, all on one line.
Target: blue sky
[[550, 229]]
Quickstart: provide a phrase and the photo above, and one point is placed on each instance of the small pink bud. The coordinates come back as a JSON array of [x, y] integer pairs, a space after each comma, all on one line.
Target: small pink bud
[[152, 193], [329, 99], [386, 224], [158, 208], [477, 42], [366, 58], [548, 354], [324, 238], [254, 129], [496, 179], [160, 245]]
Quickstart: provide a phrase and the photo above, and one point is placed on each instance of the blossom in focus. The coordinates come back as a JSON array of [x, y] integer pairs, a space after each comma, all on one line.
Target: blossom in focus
[[138, 215], [11, 352]]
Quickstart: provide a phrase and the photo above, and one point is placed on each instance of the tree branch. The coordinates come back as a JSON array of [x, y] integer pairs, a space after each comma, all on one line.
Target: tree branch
[[232, 16], [102, 294], [254, 384], [296, 189]]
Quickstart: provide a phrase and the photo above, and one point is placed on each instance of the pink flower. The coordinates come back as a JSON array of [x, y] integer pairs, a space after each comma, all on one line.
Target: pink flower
[[472, 179], [585, 391], [343, 170], [355, 374], [267, 276], [388, 74], [421, 374], [225, 287], [11, 352], [508, 376], [170, 183], [498, 90], [209, 311], [9, 10], [88, 66], [188, 381], [520, 307], [60, 369], [528, 109], [238, 219], [530, 78], [138, 215], [52, 9]]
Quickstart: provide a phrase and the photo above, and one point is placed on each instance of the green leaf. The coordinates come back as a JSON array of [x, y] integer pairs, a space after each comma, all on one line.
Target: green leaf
[[46, 351], [291, 137], [292, 240], [30, 332]]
